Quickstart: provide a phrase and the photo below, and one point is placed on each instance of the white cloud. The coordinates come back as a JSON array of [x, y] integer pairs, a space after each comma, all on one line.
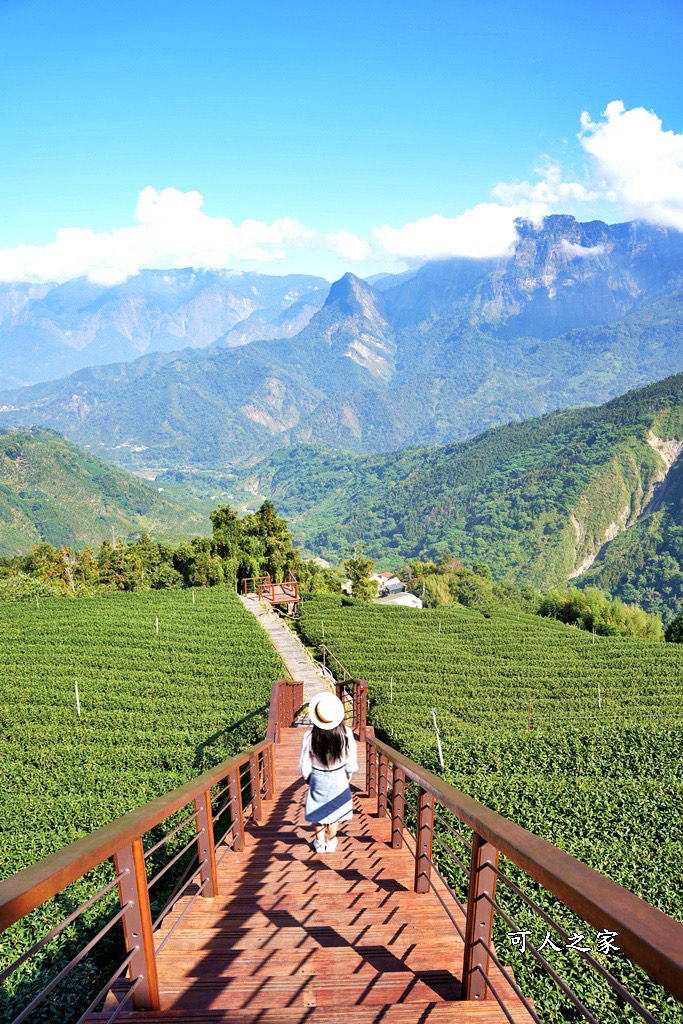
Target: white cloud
[[639, 165], [486, 230], [349, 246], [549, 193], [634, 163], [171, 231], [582, 251]]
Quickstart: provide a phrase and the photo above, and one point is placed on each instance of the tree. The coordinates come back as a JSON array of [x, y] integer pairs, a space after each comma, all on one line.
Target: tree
[[360, 569], [674, 631], [227, 531]]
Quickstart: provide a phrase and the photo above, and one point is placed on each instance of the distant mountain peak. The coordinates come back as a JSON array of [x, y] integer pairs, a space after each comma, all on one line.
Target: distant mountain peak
[[352, 296]]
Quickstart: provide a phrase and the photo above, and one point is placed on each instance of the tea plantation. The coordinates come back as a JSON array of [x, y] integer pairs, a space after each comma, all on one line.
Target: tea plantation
[[576, 738], [157, 709]]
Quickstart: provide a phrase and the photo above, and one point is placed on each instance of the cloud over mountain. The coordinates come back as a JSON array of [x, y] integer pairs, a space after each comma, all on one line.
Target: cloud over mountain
[[633, 163], [172, 231], [639, 165]]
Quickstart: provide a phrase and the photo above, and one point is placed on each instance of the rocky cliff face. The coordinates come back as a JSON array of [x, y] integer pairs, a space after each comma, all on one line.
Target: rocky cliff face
[[354, 324], [562, 275]]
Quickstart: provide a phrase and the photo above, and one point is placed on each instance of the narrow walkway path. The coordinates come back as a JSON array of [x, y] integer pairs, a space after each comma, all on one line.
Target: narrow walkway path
[[296, 937], [300, 666]]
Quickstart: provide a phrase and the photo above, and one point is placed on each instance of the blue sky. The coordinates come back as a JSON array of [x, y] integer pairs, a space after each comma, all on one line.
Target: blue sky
[[341, 117]]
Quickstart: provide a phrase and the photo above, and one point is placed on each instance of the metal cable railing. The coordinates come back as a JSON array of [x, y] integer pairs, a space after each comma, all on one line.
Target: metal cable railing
[[169, 835], [566, 879], [69, 967], [60, 927], [248, 773]]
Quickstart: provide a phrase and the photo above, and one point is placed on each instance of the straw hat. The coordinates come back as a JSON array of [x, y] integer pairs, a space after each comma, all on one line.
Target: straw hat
[[325, 710]]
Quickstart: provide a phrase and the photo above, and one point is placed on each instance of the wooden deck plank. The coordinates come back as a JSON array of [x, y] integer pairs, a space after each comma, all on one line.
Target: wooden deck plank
[[296, 936]]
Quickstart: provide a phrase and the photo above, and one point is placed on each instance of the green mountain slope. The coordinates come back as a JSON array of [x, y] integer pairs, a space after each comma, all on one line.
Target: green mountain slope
[[645, 564], [51, 490], [537, 500]]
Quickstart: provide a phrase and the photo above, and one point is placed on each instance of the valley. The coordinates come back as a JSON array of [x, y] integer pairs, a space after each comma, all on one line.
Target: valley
[[571, 495]]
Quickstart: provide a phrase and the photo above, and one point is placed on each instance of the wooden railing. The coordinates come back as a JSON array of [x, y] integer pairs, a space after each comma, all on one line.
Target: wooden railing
[[286, 592], [251, 584], [243, 781], [649, 938], [353, 693]]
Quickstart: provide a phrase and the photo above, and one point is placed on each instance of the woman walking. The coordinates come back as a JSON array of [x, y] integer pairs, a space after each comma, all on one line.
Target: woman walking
[[328, 760]]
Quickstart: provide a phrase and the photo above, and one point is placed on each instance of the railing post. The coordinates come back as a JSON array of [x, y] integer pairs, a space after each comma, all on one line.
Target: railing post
[[268, 772], [362, 709], [255, 787], [137, 924], [423, 840], [371, 769], [382, 786], [237, 810], [272, 770], [479, 923], [397, 807], [206, 849]]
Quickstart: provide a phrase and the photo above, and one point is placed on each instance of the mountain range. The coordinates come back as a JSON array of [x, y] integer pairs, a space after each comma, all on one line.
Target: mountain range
[[577, 314], [49, 330], [593, 495]]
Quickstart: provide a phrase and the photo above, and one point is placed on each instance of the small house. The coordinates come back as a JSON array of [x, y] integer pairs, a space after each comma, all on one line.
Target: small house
[[400, 600], [387, 583]]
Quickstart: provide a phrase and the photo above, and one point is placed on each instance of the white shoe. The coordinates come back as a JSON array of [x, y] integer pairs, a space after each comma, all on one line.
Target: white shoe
[[331, 845], [319, 846]]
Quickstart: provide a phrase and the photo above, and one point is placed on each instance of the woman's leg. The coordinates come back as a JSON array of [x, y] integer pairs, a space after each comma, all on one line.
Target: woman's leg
[[332, 829], [319, 833]]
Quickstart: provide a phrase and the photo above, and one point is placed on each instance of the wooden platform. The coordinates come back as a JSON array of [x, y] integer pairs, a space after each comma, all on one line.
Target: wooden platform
[[297, 936]]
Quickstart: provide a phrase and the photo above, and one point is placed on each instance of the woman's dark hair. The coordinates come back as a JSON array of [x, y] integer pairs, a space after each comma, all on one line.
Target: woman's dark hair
[[329, 745]]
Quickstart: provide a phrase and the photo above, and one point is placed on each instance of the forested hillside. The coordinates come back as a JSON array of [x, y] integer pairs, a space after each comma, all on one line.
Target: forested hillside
[[536, 500], [51, 490]]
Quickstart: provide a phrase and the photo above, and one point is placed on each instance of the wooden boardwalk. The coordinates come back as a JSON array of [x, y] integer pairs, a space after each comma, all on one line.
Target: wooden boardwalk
[[296, 936]]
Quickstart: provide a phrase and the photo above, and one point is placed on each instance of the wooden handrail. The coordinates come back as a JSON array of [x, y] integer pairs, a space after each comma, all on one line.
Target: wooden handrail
[[257, 580], [31, 887], [649, 937], [37, 883]]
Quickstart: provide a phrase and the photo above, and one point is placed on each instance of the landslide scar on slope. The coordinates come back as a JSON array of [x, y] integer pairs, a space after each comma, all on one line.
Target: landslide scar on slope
[[669, 451]]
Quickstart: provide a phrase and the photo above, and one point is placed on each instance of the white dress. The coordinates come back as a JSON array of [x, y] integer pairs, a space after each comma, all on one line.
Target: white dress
[[329, 793]]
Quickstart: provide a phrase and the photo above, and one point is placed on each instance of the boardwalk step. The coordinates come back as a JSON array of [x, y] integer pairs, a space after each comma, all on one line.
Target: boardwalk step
[[400, 1013], [266, 991], [286, 961]]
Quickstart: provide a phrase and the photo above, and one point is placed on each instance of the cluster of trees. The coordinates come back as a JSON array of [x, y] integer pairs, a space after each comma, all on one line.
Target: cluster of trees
[[592, 609], [261, 543], [450, 581], [252, 546]]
